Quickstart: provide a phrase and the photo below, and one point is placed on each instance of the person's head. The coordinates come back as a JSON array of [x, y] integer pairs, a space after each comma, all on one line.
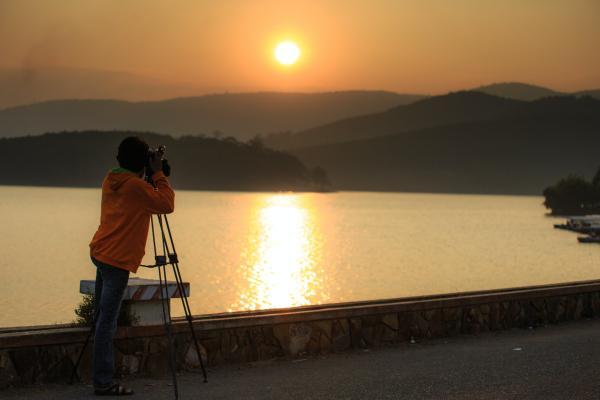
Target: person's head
[[133, 152]]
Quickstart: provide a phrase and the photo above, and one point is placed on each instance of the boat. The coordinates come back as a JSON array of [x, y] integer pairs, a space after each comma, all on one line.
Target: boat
[[584, 221], [589, 239], [584, 224]]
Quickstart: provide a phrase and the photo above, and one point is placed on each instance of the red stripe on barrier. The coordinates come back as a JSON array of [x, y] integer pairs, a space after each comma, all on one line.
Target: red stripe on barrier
[[137, 294]]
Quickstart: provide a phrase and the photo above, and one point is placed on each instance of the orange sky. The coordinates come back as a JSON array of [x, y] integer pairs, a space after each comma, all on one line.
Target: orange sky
[[421, 46]]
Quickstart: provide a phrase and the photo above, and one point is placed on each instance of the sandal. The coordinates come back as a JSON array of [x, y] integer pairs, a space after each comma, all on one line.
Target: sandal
[[113, 390]]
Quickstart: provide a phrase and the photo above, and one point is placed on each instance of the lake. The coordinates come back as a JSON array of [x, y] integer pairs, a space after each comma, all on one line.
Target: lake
[[245, 251]]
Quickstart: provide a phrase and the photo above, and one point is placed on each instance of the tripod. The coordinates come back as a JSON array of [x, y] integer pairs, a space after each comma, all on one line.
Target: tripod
[[168, 257], [169, 253]]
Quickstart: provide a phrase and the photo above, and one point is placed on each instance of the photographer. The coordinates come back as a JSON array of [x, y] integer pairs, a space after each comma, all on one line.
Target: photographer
[[118, 246]]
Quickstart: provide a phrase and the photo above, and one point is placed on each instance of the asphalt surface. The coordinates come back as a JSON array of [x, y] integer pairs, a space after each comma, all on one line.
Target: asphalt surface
[[554, 362]]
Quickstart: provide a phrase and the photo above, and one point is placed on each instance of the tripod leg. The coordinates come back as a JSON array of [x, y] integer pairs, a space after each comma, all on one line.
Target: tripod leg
[[179, 280], [188, 317], [191, 325], [87, 341], [167, 322], [76, 366]]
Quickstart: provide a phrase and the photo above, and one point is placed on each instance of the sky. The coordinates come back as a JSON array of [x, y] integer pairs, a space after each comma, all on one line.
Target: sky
[[421, 46]]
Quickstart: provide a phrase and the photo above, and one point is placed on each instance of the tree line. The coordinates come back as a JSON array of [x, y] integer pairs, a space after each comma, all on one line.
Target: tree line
[[574, 195], [81, 159]]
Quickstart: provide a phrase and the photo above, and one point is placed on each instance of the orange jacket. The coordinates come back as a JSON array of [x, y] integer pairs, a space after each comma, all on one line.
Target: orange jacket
[[128, 202]]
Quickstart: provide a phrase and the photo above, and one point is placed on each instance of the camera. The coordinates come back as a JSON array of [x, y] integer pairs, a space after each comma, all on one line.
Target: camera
[[158, 151]]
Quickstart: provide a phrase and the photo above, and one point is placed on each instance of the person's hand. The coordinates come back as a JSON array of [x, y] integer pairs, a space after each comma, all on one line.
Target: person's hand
[[156, 163]]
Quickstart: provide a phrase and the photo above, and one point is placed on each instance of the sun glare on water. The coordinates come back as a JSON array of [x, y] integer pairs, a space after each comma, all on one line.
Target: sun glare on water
[[281, 265], [287, 52]]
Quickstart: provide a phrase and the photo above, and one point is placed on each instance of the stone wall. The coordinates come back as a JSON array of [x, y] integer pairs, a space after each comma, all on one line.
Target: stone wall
[[47, 354]]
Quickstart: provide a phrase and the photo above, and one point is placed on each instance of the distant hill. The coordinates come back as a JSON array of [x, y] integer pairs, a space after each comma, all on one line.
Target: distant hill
[[517, 91], [22, 86], [521, 152], [241, 115], [83, 158], [434, 111], [527, 92]]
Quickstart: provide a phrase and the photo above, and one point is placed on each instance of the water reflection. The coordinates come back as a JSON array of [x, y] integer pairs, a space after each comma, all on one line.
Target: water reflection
[[280, 262]]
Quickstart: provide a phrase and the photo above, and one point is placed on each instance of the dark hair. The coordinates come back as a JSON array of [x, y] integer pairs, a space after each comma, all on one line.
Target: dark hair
[[133, 152]]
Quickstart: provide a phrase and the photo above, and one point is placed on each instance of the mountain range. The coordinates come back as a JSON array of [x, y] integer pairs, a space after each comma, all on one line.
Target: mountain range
[[527, 92], [452, 108], [28, 85], [39, 100], [434, 111], [520, 148], [504, 138], [241, 115]]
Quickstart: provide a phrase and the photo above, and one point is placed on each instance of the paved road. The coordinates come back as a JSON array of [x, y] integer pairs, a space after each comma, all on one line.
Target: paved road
[[555, 362]]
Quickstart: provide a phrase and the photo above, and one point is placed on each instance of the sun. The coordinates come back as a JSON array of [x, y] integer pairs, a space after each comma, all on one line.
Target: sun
[[287, 52]]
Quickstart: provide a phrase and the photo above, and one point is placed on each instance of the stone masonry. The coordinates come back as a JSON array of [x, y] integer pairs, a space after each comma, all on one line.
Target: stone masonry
[[30, 357]]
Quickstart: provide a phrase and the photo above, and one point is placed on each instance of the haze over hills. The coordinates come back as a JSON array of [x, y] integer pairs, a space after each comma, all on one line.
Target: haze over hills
[[241, 115], [22, 86], [453, 108], [520, 152], [527, 92], [434, 111], [517, 91], [481, 144], [99, 104], [467, 142]]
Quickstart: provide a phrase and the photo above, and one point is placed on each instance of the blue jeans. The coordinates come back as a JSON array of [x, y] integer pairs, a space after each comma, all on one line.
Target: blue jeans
[[111, 283]]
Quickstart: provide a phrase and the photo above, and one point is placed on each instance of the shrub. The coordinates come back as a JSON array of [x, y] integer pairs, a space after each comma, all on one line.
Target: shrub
[[85, 312]]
